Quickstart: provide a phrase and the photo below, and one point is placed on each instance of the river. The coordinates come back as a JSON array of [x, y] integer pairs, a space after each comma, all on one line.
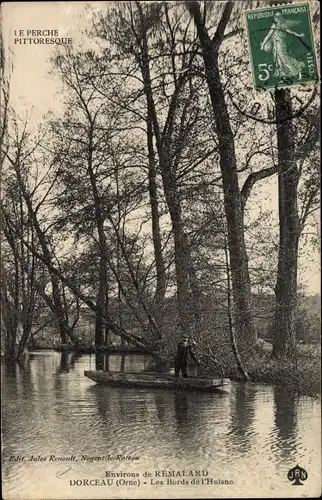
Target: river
[[248, 437]]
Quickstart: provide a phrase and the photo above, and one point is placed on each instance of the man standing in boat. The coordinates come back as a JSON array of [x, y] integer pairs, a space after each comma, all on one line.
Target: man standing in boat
[[184, 348]]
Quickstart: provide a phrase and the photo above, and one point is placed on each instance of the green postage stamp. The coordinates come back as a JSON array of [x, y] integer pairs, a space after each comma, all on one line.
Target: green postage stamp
[[281, 46]]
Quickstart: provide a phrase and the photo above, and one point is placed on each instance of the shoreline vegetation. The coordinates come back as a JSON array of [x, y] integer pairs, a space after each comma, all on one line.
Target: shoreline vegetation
[[300, 373]]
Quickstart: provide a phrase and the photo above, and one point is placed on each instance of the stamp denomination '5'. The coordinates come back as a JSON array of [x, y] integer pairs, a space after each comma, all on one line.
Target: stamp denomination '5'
[[281, 46]]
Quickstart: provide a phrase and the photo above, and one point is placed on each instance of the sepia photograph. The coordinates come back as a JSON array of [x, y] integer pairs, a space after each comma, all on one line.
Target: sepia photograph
[[160, 249]]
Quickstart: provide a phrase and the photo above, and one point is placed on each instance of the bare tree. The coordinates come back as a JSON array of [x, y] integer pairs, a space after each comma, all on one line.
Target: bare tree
[[34, 191], [233, 202]]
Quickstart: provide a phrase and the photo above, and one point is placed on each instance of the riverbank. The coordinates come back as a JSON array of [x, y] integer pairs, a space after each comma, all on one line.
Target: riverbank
[[112, 349], [301, 375]]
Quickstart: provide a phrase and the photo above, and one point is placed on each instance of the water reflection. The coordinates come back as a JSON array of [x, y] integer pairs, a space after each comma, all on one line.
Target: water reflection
[[181, 409], [121, 362], [67, 361], [160, 405], [56, 409], [186, 424], [100, 361], [9, 370], [285, 419], [242, 417], [285, 412], [122, 368]]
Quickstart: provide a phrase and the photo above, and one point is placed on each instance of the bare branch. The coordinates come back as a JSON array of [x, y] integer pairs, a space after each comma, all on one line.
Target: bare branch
[[219, 35], [253, 178]]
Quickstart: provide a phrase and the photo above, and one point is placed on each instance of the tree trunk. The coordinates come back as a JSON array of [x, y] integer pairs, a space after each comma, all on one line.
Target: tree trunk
[[181, 259], [12, 308], [170, 187], [289, 229], [100, 332], [60, 313], [118, 254], [9, 320], [107, 332], [195, 296], [234, 346], [102, 286], [245, 325], [156, 233]]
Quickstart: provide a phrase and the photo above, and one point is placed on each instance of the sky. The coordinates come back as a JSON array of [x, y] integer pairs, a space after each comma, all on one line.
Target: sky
[[32, 88]]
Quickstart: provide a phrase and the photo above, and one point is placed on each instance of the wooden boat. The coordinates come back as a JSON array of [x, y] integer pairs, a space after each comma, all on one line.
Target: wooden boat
[[150, 379]]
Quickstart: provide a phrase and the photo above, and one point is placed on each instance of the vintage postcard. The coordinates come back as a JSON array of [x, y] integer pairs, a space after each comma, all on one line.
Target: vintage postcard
[[160, 250]]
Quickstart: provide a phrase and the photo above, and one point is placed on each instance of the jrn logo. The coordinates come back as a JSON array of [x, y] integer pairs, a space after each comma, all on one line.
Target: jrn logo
[[297, 474]]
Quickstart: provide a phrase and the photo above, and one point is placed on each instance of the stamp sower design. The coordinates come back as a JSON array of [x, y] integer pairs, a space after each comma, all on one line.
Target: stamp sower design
[[281, 46]]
